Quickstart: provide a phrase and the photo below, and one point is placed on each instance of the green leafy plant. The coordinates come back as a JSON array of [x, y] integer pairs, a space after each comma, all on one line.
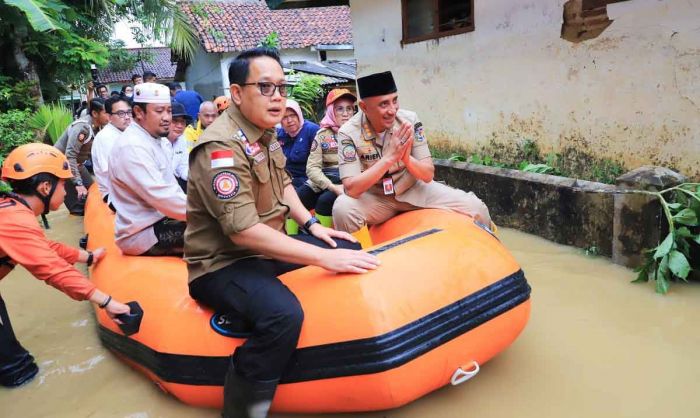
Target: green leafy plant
[[669, 261], [307, 92], [536, 168], [457, 158], [16, 95], [50, 120], [14, 130], [272, 40]]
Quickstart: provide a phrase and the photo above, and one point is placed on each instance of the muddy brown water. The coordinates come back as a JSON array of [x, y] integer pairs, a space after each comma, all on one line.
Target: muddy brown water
[[596, 346]]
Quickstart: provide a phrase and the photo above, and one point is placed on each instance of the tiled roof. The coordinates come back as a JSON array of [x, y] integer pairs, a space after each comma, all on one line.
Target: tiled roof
[[161, 66], [345, 70], [229, 26]]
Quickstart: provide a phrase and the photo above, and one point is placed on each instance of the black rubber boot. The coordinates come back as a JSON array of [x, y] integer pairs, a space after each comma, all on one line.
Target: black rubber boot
[[17, 366], [244, 398]]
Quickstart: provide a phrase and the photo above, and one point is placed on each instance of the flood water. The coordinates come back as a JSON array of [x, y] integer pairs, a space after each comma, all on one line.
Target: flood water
[[596, 346]]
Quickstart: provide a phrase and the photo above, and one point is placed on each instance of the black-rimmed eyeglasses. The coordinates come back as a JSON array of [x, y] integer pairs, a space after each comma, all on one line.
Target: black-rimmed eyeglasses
[[123, 113], [268, 89]]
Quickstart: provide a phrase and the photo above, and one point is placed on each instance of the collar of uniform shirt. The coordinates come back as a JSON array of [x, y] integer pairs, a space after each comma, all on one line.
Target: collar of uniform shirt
[[252, 132]]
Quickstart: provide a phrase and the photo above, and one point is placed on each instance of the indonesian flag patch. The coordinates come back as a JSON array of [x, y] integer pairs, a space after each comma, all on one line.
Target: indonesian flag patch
[[221, 159]]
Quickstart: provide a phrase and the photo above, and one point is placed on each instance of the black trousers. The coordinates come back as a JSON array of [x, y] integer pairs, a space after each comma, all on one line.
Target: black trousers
[[16, 364], [250, 288], [74, 205], [320, 202], [171, 237]]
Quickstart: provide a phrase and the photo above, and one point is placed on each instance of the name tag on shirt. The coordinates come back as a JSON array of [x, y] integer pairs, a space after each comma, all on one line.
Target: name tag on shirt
[[388, 183]]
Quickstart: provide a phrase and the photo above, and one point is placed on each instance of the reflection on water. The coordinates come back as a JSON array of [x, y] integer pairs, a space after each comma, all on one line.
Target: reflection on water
[[596, 346]]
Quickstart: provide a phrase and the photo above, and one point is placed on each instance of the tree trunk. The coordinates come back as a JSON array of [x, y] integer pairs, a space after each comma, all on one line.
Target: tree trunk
[[28, 69]]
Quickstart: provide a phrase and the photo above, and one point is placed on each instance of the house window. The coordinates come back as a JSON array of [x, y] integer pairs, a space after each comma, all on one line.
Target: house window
[[585, 19], [432, 19]]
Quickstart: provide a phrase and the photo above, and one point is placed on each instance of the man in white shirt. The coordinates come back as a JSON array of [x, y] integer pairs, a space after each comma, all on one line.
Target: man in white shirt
[[176, 144], [119, 111], [150, 205]]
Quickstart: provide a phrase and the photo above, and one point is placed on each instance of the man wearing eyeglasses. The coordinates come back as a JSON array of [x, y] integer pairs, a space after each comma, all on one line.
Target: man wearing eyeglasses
[[119, 111], [385, 163], [238, 198]]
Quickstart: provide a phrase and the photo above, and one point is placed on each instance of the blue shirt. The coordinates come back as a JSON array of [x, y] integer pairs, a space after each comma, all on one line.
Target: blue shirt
[[191, 100], [297, 149]]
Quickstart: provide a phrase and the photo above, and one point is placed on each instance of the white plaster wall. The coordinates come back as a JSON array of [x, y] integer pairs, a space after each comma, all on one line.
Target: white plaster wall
[[632, 94], [204, 75]]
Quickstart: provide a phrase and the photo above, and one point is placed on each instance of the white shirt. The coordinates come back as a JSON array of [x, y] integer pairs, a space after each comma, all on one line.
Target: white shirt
[[179, 157], [143, 189], [101, 147]]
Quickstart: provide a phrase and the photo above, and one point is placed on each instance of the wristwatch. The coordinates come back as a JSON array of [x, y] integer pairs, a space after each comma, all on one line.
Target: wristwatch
[[311, 221]]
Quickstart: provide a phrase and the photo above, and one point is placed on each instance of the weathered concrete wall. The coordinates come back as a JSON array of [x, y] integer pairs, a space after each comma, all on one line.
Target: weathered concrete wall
[[631, 95], [560, 209]]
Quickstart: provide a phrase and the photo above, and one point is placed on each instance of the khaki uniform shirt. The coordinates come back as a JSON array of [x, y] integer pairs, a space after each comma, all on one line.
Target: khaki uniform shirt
[[323, 160], [360, 148], [76, 144], [236, 180]]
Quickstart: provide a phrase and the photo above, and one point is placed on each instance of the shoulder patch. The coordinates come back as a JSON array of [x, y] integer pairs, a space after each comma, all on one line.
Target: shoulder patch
[[349, 152], [314, 145], [225, 185], [81, 137]]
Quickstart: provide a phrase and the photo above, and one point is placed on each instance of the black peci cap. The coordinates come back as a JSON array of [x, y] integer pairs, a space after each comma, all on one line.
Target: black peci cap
[[377, 84]]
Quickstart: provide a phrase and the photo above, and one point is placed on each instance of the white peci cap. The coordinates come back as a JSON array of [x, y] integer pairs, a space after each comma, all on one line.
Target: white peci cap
[[151, 93]]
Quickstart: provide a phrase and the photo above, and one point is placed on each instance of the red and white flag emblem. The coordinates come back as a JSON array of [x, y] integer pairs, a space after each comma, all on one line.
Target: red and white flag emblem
[[221, 159]]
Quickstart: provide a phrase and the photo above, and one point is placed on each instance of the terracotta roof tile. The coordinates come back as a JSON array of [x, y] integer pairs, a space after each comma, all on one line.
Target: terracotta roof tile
[[161, 66], [229, 26]]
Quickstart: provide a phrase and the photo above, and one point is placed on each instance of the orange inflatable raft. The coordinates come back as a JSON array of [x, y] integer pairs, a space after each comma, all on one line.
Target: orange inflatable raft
[[446, 299]]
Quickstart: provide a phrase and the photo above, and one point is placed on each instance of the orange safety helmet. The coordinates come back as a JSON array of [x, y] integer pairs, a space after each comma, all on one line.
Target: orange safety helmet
[[222, 103], [28, 160], [336, 94]]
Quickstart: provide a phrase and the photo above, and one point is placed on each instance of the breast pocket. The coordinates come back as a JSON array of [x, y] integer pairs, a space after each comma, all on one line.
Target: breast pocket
[[279, 163], [262, 188]]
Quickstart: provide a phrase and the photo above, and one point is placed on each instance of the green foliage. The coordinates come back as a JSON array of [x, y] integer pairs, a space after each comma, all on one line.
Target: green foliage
[[457, 158], [307, 91], [14, 130], [272, 40], [536, 168], [60, 39], [669, 261], [51, 121], [606, 171], [41, 14], [119, 58], [15, 95]]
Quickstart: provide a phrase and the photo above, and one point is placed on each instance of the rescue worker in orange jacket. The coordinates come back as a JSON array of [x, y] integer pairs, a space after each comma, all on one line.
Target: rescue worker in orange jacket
[[37, 174]]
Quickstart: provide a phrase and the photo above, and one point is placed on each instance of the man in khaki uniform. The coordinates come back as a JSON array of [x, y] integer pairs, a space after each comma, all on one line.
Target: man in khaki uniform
[[238, 197], [76, 144], [385, 163]]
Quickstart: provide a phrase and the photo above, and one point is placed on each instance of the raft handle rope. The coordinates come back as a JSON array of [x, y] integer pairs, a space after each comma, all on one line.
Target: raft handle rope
[[460, 375]]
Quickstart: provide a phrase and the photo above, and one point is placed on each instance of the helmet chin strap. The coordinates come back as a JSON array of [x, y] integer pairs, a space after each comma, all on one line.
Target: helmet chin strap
[[46, 200]]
